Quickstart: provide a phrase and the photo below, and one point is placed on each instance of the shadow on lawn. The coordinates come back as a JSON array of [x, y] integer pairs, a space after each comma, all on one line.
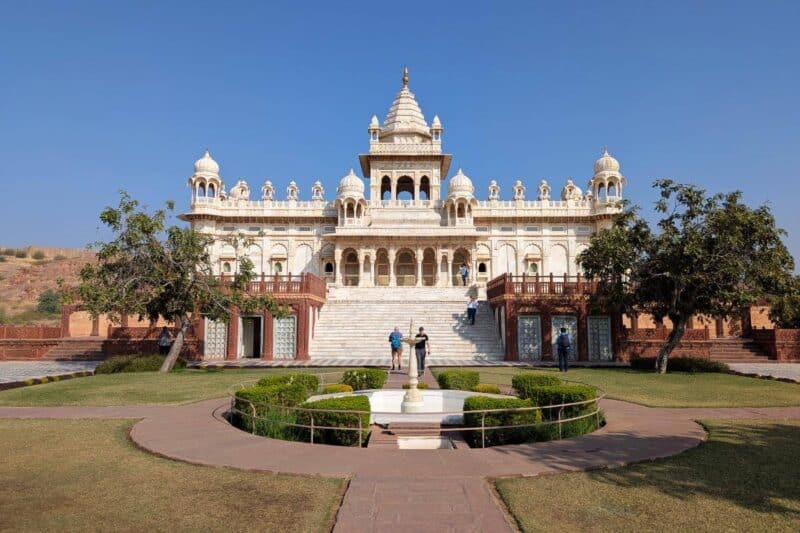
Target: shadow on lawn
[[754, 466]]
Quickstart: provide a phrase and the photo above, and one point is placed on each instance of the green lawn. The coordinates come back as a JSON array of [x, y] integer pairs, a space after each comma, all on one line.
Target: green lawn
[[670, 390], [745, 478], [84, 475], [144, 387]]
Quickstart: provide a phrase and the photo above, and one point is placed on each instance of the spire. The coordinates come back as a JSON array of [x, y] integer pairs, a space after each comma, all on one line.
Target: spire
[[404, 115], [405, 77]]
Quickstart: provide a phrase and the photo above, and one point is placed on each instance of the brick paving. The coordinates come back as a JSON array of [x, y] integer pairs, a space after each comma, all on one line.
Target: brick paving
[[12, 371], [427, 490]]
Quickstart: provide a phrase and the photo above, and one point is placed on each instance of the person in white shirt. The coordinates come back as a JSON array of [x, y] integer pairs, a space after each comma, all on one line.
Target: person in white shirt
[[472, 309]]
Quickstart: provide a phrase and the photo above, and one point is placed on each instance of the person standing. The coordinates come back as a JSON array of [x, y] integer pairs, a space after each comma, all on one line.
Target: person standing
[[396, 343], [422, 347], [472, 309], [464, 271], [164, 341], [564, 345]]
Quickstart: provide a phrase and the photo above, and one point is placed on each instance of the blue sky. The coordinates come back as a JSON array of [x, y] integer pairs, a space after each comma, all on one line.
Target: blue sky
[[101, 96]]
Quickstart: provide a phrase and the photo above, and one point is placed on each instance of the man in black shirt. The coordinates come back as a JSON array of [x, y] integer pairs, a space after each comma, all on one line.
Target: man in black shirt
[[422, 348]]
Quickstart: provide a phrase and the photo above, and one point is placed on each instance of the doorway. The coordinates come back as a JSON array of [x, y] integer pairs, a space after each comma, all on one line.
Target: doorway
[[250, 336]]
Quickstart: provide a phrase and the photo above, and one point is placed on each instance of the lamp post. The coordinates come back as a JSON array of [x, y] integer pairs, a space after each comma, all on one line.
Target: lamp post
[[412, 400]]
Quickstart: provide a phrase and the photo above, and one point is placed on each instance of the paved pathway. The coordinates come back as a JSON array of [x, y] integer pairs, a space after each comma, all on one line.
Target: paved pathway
[[780, 370], [11, 371], [427, 490]]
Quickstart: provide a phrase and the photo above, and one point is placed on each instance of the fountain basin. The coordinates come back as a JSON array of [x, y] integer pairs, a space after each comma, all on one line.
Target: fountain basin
[[440, 406], [424, 443]]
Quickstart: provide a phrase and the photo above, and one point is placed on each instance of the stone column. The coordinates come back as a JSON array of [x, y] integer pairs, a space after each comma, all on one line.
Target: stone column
[[360, 268], [394, 189], [232, 351], [420, 253], [416, 189], [392, 278], [373, 257], [449, 271], [337, 266]]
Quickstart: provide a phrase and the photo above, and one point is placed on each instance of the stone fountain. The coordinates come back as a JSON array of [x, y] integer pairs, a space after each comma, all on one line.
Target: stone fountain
[[413, 402]]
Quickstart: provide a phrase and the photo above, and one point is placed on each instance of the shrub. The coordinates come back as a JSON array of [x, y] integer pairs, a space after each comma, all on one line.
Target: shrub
[[2, 259], [20, 254], [339, 437], [134, 363], [486, 388], [60, 257], [525, 381], [49, 302], [271, 420], [309, 381], [458, 379], [420, 386], [9, 251], [38, 255], [496, 437], [365, 378], [560, 394], [681, 364], [335, 388]]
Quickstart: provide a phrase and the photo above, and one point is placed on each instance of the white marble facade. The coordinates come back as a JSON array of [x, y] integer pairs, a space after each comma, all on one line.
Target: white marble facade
[[404, 223]]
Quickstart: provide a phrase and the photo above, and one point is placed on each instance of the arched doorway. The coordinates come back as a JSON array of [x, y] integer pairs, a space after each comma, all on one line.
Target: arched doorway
[[382, 268], [459, 257], [350, 274], [405, 269], [386, 188], [429, 267], [424, 188]]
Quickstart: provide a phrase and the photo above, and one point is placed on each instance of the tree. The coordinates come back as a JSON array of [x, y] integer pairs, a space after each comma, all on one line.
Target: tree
[[49, 302], [154, 271], [785, 308], [708, 255]]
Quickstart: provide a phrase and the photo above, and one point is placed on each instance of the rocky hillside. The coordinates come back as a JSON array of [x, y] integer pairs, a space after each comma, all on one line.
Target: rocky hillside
[[23, 279]]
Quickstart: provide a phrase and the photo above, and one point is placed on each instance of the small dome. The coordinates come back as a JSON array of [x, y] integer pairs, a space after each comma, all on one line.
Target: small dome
[[606, 163], [206, 166], [460, 185], [351, 185]]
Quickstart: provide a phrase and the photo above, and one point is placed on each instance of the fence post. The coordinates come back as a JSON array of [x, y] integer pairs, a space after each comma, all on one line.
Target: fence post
[[483, 430], [559, 422], [253, 417], [359, 430], [312, 428]]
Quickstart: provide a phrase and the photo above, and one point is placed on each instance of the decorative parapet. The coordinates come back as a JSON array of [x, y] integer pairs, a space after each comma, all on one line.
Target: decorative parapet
[[405, 149], [552, 285]]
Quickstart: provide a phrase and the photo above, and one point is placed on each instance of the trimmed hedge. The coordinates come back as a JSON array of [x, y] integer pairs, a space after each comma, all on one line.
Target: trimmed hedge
[[365, 378], [420, 385], [271, 420], [134, 363], [486, 388], [524, 382], [309, 381], [339, 437], [335, 388], [559, 394], [497, 437], [681, 364], [458, 379]]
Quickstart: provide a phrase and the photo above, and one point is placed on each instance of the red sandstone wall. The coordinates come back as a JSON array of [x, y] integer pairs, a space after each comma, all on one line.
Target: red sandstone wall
[[30, 332], [23, 349]]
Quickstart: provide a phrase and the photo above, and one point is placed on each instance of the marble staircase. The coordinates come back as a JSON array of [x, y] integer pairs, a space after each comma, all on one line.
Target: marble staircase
[[356, 322]]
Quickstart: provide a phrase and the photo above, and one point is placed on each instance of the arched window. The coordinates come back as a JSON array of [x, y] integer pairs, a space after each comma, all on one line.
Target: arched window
[[329, 268], [226, 267], [601, 191], [201, 190], [612, 189], [424, 188], [461, 211], [350, 211], [405, 188], [211, 191], [482, 268], [278, 268], [386, 188]]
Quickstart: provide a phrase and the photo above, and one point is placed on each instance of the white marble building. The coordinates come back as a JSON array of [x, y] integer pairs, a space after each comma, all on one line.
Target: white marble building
[[404, 223]]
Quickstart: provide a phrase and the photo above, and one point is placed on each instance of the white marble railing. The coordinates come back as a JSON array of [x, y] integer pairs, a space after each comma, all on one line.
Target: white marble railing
[[400, 148]]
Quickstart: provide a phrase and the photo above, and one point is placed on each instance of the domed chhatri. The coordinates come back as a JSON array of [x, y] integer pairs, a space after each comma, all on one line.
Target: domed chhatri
[[606, 163], [351, 186], [460, 185], [206, 166]]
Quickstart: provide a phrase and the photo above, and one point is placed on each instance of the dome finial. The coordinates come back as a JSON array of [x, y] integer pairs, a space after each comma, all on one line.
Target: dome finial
[[405, 77]]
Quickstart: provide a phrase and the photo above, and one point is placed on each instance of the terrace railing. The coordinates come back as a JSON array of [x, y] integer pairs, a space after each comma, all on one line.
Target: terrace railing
[[535, 284], [287, 285]]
